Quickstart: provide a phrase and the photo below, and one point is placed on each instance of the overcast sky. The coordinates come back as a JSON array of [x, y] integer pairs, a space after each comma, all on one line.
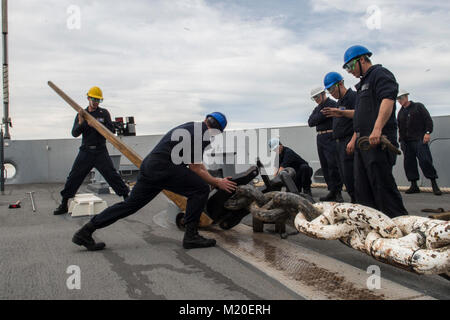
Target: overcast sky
[[168, 62]]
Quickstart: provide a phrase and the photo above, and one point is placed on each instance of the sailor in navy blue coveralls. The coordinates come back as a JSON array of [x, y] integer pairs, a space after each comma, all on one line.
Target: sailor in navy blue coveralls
[[374, 116], [415, 127], [288, 158], [93, 154], [159, 171], [343, 132], [326, 147]]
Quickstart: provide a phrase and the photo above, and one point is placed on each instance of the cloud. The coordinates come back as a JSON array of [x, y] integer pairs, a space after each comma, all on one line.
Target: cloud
[[412, 42], [168, 62]]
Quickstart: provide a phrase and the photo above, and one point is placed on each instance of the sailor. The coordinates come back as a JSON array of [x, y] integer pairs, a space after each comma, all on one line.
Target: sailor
[[326, 145], [288, 158], [374, 116], [415, 127], [342, 126], [175, 164], [93, 152]]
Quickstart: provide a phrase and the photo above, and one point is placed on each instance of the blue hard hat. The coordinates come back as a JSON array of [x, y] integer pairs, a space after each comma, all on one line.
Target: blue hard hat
[[220, 118], [355, 52], [274, 143], [331, 79]]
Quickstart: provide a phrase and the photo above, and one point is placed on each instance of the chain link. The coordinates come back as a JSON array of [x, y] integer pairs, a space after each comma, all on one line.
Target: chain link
[[417, 244]]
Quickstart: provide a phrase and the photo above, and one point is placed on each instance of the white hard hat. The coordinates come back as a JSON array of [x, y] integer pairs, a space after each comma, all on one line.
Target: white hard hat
[[316, 91], [274, 143], [402, 92]]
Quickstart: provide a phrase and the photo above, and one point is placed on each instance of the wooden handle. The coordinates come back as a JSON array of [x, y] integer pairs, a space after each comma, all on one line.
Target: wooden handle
[[134, 157]]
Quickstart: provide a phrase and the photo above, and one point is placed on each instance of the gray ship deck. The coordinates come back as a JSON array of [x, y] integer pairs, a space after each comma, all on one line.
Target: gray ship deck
[[144, 258]]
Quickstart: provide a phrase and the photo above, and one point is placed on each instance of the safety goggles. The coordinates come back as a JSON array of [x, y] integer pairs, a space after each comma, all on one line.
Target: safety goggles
[[317, 96], [96, 100], [350, 66], [333, 87]]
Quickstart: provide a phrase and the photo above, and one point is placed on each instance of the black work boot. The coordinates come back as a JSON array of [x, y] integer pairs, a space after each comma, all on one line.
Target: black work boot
[[62, 207], [328, 197], [333, 196], [125, 197], [338, 197], [414, 188], [435, 187], [83, 237], [307, 191], [193, 240]]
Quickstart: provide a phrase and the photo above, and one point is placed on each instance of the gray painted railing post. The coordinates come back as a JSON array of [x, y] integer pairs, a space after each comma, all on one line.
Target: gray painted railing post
[[2, 162]]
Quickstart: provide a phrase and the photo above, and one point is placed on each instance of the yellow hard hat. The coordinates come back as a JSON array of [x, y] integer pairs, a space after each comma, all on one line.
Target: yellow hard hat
[[95, 92]]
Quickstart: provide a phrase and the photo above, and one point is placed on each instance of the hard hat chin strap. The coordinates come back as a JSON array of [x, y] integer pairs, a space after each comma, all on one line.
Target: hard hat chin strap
[[360, 68]]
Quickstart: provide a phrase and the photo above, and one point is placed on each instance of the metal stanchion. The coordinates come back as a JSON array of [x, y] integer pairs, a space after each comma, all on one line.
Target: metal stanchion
[[2, 162]]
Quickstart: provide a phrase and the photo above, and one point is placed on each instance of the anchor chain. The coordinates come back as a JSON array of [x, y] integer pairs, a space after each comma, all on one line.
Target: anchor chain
[[417, 244]]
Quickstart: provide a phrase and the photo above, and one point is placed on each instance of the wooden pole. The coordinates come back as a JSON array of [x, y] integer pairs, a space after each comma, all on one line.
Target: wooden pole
[[134, 157]]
